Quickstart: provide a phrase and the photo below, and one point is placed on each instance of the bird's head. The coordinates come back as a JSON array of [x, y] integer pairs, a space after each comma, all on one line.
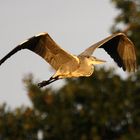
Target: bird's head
[[94, 61]]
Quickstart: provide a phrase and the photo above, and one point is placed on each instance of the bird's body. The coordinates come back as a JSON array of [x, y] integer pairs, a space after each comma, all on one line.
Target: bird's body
[[80, 68], [118, 46]]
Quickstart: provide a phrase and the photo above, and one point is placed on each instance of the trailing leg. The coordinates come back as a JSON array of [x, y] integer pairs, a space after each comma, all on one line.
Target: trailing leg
[[44, 83]]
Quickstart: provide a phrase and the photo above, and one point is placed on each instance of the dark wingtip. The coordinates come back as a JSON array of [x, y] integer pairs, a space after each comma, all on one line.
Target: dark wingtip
[[27, 44], [10, 54], [1, 61]]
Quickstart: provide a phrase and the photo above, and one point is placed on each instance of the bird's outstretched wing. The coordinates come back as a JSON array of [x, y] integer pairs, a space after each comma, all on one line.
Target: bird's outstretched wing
[[120, 48], [46, 47]]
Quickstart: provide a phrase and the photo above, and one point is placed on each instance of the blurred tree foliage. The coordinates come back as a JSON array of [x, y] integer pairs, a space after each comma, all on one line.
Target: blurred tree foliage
[[101, 107]]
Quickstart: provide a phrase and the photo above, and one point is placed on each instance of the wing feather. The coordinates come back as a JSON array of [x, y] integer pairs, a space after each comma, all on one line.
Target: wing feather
[[44, 46], [120, 48], [51, 52]]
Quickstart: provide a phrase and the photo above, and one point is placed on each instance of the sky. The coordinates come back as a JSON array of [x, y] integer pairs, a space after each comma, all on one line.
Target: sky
[[73, 24]]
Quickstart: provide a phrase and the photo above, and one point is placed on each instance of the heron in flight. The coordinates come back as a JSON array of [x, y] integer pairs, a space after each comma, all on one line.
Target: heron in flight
[[67, 65]]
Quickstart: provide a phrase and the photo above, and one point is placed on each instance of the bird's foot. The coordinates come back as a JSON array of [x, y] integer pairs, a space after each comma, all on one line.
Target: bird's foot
[[44, 83]]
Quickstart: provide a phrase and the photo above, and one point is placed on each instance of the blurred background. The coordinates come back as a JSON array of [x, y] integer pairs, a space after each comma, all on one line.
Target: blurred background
[[104, 106]]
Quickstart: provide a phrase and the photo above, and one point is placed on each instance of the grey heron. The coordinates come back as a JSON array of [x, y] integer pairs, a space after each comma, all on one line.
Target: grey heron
[[118, 46]]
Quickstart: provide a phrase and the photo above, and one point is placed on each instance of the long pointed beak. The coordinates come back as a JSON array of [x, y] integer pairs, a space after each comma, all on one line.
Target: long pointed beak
[[99, 61]]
